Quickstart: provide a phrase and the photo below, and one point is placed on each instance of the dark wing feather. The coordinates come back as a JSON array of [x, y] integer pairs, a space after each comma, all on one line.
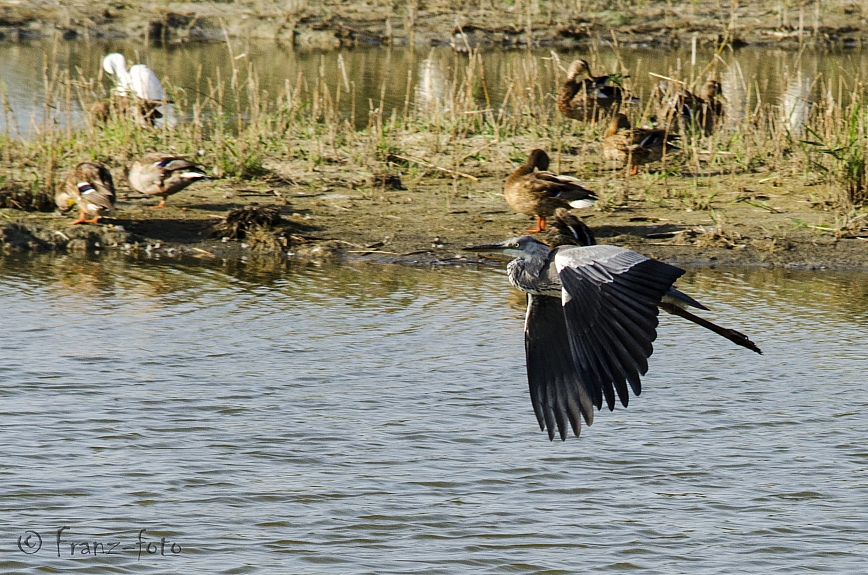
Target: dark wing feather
[[95, 184], [610, 304], [178, 164], [565, 188], [653, 138], [556, 392]]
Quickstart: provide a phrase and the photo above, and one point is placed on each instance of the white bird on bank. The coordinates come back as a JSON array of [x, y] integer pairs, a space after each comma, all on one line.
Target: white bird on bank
[[141, 83]]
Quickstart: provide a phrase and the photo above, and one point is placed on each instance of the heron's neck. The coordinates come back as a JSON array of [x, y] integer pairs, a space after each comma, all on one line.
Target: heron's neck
[[524, 274]]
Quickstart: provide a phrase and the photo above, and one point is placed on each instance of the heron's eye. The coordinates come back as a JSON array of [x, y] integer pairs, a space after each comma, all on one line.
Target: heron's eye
[[515, 245]]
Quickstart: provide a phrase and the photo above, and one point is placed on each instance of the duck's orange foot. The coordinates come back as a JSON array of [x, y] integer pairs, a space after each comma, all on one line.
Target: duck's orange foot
[[162, 204], [634, 169], [83, 220], [540, 226]]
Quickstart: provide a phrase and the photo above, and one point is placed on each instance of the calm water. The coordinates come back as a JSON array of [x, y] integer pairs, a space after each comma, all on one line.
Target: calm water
[[789, 80], [375, 419]]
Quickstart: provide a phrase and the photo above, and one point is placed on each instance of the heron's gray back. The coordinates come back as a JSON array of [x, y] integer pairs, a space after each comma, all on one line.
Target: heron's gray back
[[598, 261]]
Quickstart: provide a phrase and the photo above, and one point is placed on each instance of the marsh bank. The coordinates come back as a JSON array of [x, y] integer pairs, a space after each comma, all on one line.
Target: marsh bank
[[400, 155]]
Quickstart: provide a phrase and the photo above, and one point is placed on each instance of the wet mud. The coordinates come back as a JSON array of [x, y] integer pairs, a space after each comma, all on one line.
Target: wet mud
[[405, 212], [332, 24]]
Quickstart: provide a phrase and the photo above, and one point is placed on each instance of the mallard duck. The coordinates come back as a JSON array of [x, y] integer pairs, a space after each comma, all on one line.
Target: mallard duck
[[63, 200], [565, 229], [158, 174], [636, 146], [585, 98], [89, 185], [704, 112], [541, 193]]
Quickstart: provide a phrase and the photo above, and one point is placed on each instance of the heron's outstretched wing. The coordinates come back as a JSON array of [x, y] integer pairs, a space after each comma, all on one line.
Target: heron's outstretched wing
[[610, 298], [556, 392]]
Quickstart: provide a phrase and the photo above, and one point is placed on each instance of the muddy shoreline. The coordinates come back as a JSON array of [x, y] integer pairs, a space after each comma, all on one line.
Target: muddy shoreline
[[333, 24], [328, 213]]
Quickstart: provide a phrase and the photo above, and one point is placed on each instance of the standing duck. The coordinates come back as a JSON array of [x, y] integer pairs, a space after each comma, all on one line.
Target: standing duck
[[540, 193], [636, 146], [158, 174], [589, 97], [703, 111], [89, 185]]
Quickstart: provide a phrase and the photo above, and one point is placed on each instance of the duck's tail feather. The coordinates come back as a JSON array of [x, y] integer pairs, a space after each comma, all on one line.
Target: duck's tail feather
[[583, 203]]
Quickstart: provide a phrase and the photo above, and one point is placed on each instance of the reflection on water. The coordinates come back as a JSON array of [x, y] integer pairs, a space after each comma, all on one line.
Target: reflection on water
[[362, 418], [734, 89], [795, 103], [381, 71], [430, 86]]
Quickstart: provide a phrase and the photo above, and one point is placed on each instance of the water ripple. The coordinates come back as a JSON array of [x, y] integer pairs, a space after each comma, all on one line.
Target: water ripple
[[363, 419]]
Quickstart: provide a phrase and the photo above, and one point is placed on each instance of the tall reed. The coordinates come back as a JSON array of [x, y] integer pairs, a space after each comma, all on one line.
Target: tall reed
[[236, 128]]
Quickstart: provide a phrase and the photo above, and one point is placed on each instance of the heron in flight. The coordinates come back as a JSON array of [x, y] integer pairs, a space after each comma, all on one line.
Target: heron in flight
[[591, 319]]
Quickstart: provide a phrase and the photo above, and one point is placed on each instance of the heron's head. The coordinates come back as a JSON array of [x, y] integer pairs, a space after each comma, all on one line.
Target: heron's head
[[115, 64], [577, 69], [523, 247]]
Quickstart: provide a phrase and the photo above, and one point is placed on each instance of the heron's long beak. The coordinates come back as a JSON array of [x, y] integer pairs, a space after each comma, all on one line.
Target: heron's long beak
[[499, 248]]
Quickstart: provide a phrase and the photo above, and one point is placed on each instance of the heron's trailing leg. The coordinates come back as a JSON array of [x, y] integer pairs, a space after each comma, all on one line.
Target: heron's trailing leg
[[732, 335]]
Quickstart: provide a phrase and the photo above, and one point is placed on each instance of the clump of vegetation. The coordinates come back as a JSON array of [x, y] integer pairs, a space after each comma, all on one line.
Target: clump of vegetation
[[239, 222], [845, 151], [386, 180], [17, 196]]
